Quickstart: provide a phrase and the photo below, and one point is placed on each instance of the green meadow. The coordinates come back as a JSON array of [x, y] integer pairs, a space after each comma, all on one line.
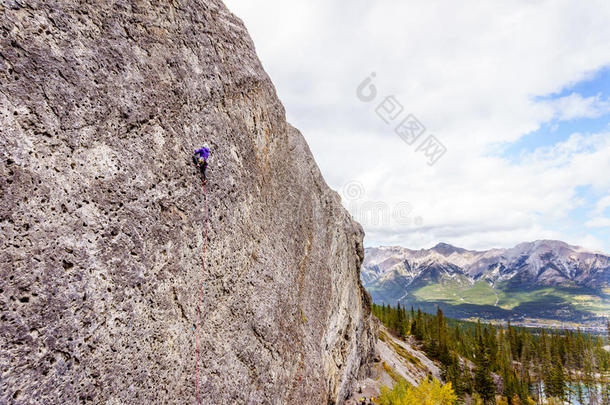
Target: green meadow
[[546, 302]]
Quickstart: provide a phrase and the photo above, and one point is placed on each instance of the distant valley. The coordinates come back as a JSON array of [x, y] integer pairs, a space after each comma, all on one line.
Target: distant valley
[[545, 282]]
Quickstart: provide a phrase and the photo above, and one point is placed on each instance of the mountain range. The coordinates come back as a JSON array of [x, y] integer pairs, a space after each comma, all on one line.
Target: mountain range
[[544, 279]]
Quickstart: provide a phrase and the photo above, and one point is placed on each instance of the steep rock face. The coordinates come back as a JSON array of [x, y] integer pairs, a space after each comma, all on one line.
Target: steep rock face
[[102, 217]]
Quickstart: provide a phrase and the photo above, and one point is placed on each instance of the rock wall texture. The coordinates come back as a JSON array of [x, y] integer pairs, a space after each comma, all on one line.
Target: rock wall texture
[[102, 216]]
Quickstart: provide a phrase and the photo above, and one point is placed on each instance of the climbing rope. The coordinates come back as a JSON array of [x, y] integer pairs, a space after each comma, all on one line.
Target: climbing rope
[[205, 242]]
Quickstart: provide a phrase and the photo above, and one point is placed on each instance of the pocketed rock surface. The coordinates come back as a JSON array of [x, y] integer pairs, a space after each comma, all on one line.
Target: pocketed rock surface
[[102, 217]]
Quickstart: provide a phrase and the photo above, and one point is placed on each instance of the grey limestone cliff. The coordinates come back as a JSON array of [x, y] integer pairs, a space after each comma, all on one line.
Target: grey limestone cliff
[[102, 217]]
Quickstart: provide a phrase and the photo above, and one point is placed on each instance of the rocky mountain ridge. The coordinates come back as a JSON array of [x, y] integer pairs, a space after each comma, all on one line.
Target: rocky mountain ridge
[[531, 284], [542, 262]]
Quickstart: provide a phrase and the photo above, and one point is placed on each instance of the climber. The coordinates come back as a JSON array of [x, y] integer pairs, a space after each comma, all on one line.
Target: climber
[[200, 158]]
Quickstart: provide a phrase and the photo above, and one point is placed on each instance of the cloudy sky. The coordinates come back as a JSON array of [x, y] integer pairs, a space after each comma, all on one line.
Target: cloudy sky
[[517, 94]]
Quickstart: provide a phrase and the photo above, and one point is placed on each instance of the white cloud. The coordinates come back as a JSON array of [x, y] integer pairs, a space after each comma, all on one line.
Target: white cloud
[[601, 205], [598, 222], [591, 242], [476, 74], [576, 106]]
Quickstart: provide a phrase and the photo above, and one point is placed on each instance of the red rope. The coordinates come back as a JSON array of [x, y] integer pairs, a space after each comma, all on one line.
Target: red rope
[[205, 242]]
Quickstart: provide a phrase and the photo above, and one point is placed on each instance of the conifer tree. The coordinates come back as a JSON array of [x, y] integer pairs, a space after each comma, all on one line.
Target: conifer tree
[[556, 383], [523, 358], [483, 382]]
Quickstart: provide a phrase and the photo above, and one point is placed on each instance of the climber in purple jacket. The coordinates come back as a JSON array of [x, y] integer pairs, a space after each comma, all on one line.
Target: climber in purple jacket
[[200, 158]]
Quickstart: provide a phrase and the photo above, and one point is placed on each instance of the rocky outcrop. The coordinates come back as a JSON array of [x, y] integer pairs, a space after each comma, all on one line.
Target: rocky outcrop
[[395, 359], [102, 215]]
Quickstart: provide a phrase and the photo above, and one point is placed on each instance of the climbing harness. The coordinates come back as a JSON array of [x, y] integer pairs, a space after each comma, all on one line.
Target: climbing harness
[[200, 159]]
